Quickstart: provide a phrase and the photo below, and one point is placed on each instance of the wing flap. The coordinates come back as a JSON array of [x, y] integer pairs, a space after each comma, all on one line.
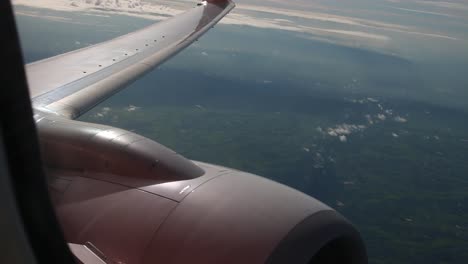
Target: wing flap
[[72, 83]]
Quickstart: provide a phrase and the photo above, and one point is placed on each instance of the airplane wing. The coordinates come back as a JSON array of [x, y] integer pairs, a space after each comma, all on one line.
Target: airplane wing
[[70, 84]]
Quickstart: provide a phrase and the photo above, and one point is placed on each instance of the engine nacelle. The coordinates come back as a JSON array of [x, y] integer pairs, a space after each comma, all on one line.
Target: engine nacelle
[[114, 206]]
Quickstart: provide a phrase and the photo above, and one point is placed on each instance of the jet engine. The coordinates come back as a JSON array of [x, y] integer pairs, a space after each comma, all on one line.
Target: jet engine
[[123, 198]]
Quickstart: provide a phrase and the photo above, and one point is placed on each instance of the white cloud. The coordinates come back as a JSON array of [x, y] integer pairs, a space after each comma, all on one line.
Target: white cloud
[[400, 119], [365, 101], [318, 160], [346, 129], [154, 11], [444, 4], [395, 135], [104, 111], [343, 130], [381, 117], [423, 12], [132, 108], [369, 119]]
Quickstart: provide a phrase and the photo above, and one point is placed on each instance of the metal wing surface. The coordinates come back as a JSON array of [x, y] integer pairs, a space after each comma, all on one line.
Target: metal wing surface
[[70, 84]]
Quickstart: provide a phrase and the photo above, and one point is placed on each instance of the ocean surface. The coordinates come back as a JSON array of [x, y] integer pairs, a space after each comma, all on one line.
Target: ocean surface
[[380, 137]]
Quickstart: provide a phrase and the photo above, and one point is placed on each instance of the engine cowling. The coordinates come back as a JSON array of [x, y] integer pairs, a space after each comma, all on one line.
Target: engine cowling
[[242, 218], [180, 211]]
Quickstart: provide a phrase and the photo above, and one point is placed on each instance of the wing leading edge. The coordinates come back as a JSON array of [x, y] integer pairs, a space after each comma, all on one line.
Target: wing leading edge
[[70, 84]]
